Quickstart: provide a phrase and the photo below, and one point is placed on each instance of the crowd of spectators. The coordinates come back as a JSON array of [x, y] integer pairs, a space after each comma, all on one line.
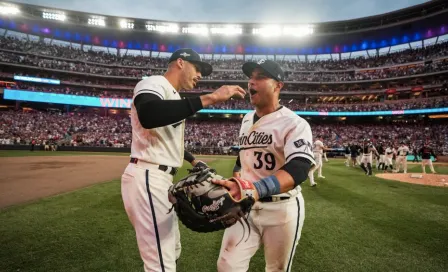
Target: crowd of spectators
[[138, 73], [296, 105], [211, 136], [334, 136], [64, 128], [107, 58], [42, 55], [201, 136]]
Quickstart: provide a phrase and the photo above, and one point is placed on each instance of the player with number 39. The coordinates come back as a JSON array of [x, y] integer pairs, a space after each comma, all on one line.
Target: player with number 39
[[275, 156]]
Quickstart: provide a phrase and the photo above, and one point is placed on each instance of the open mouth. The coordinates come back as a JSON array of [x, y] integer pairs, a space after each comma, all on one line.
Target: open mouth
[[252, 91]]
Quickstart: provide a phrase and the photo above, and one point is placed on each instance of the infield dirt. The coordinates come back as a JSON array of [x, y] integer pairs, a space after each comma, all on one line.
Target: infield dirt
[[426, 179], [25, 179]]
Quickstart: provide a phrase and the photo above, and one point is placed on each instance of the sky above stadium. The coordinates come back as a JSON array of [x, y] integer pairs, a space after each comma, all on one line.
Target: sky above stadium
[[228, 11]]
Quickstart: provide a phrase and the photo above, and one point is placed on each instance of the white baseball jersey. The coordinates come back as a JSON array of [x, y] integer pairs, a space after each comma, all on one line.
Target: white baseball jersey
[[368, 149], [403, 150], [162, 145], [318, 147], [390, 152], [271, 142]]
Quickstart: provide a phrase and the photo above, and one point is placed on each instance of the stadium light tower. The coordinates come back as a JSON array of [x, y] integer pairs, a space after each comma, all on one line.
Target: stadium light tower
[[54, 16], [226, 30], [9, 10], [196, 29], [276, 30], [298, 31], [268, 31], [162, 28], [96, 21], [126, 24]]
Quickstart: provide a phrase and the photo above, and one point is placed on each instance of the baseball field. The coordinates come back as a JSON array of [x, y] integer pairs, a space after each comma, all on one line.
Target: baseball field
[[63, 212]]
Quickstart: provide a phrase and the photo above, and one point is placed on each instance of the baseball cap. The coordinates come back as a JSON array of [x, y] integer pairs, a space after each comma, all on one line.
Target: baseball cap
[[271, 68], [192, 56]]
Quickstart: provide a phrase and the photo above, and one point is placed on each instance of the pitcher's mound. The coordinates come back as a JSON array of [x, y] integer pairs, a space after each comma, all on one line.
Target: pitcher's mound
[[417, 178]]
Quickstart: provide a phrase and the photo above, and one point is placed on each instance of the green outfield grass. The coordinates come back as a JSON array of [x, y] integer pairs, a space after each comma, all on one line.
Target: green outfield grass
[[353, 223]]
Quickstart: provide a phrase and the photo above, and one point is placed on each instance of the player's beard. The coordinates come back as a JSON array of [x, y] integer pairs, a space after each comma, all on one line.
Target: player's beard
[[187, 83]]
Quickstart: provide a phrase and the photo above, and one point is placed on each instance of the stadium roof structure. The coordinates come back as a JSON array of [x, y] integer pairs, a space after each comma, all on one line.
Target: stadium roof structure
[[402, 26]]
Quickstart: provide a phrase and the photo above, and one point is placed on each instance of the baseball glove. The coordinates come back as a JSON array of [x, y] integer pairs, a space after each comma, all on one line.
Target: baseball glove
[[203, 206]]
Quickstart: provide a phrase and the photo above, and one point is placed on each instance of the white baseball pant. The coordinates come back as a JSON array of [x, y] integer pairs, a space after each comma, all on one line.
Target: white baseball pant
[[347, 159], [358, 159], [388, 160], [382, 159], [276, 225], [366, 158], [144, 190], [318, 166], [401, 161], [427, 162]]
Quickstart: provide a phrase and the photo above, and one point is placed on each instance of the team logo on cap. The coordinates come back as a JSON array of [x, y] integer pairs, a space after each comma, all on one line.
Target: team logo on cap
[[184, 54], [261, 61]]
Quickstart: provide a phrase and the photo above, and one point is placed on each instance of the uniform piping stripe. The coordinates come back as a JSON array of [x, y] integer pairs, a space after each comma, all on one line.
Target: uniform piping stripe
[[252, 147], [295, 238], [156, 229], [311, 157], [150, 91]]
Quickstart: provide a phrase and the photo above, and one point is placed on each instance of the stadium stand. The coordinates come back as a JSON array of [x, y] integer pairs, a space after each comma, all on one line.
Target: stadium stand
[[413, 77]]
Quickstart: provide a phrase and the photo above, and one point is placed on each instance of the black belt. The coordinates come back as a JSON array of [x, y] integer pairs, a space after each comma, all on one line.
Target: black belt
[[161, 167], [271, 199]]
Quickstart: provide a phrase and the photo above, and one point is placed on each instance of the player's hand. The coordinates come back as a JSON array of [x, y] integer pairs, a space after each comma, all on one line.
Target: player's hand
[[234, 188], [199, 164], [224, 93], [231, 186]]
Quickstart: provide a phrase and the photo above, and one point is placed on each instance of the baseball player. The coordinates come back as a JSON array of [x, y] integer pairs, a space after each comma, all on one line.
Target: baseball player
[[318, 150], [382, 159], [415, 152], [388, 158], [347, 155], [324, 155], [359, 157], [426, 153], [354, 154], [376, 160], [401, 160], [275, 157], [367, 150], [157, 150]]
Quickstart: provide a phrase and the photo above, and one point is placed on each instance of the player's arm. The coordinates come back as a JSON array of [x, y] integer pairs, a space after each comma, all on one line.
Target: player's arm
[[194, 162], [286, 178], [237, 168], [432, 153], [154, 111]]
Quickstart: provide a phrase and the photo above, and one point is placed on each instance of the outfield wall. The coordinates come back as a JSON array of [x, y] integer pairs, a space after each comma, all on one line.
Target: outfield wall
[[128, 150]]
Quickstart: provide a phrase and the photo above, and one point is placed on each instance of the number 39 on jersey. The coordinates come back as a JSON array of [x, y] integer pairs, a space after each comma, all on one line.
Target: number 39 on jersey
[[272, 141]]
